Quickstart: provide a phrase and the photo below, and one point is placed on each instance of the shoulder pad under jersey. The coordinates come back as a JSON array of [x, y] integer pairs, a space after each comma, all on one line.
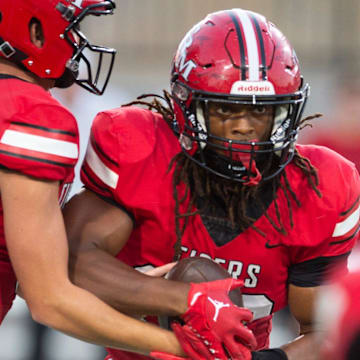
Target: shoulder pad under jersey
[[119, 138]]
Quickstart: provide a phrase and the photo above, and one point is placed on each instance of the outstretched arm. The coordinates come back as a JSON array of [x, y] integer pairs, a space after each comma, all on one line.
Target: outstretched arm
[[37, 244]]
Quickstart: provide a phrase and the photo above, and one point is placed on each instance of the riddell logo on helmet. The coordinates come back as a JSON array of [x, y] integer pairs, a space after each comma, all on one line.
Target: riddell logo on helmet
[[252, 88]]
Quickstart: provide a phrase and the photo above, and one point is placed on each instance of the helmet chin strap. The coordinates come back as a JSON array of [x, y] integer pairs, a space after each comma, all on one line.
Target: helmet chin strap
[[253, 181], [67, 79], [246, 159]]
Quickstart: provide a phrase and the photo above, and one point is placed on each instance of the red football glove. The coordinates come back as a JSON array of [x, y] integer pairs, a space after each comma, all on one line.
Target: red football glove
[[214, 320], [189, 341], [196, 348], [164, 356]]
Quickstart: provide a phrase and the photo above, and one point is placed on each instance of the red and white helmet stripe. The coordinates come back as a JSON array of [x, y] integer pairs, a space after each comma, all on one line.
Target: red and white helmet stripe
[[253, 77]]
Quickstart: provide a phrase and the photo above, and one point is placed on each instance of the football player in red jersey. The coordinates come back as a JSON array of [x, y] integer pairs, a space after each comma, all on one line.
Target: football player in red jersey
[[41, 46], [215, 171]]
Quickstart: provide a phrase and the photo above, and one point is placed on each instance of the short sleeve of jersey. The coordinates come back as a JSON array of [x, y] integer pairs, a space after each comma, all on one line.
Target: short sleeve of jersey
[[341, 193], [120, 140], [38, 136]]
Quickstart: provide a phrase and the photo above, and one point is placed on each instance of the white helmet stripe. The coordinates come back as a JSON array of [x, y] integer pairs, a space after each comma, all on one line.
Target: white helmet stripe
[[251, 44]]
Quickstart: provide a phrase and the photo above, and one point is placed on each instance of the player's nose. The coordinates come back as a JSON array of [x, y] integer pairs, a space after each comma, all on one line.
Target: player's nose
[[241, 127]]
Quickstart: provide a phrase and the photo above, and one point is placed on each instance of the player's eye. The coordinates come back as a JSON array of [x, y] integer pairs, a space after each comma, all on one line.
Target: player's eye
[[261, 109], [223, 110]]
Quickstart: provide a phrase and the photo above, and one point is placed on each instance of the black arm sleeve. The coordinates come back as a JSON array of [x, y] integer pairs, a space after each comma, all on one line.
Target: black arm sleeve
[[313, 272], [270, 354]]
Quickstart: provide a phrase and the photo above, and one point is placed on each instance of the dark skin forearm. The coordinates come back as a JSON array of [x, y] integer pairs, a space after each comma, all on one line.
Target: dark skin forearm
[[301, 303], [124, 288], [97, 231]]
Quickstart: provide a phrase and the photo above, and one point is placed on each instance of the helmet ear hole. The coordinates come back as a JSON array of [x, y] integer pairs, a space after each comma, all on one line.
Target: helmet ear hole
[[43, 37], [36, 33], [0, 16]]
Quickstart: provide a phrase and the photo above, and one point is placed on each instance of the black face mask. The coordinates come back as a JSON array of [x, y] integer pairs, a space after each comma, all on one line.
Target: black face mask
[[67, 79], [236, 169], [221, 164]]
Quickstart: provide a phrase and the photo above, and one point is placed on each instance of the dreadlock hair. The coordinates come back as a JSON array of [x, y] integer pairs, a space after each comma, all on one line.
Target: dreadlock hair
[[202, 185]]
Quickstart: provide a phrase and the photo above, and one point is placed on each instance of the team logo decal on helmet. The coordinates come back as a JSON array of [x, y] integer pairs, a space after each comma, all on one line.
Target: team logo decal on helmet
[[64, 45], [185, 66], [237, 57]]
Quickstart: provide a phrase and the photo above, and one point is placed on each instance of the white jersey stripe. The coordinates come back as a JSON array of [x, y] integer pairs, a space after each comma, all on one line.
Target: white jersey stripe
[[107, 176], [345, 226], [40, 143], [251, 45]]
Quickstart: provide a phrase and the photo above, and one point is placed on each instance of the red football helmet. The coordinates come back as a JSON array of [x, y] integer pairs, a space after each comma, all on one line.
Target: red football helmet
[[64, 43], [237, 57]]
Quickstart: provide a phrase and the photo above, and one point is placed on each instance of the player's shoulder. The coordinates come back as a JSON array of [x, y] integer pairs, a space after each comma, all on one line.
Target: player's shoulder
[[133, 131], [38, 136], [324, 158], [333, 169], [126, 143], [31, 103], [125, 117], [338, 178], [336, 211]]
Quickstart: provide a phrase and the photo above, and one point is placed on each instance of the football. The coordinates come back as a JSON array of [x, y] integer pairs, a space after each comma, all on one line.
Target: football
[[196, 270]]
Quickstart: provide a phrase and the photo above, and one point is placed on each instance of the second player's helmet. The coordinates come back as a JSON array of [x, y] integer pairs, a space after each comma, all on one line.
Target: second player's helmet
[[64, 44], [238, 57]]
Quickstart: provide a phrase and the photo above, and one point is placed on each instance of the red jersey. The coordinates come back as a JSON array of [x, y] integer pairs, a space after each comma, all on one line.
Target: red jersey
[[38, 138], [127, 162]]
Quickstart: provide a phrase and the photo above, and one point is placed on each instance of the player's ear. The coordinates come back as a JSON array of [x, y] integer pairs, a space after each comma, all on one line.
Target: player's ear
[[36, 33]]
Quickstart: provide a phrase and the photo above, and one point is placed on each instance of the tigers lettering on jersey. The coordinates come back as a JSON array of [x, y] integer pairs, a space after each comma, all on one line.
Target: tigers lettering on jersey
[[260, 304], [233, 267]]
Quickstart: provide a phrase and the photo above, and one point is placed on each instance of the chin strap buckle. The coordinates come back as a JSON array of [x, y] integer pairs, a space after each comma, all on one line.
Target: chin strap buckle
[[7, 50], [66, 11]]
